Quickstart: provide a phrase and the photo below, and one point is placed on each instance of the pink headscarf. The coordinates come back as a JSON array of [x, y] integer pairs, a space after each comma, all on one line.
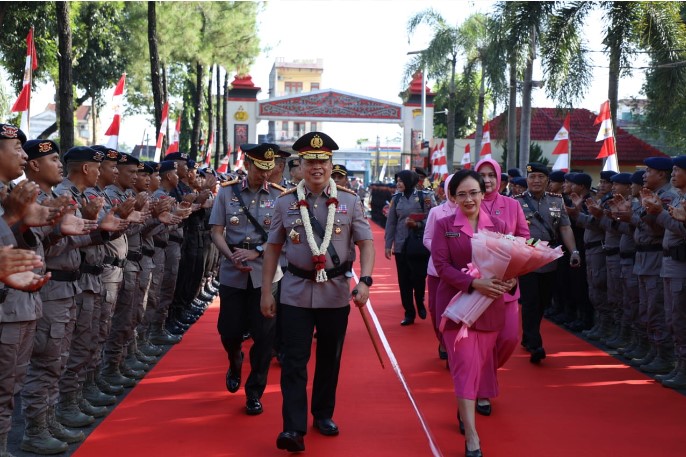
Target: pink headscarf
[[448, 202], [496, 167]]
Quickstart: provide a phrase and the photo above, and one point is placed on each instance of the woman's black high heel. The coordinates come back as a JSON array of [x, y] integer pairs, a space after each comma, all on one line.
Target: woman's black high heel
[[474, 453], [459, 421]]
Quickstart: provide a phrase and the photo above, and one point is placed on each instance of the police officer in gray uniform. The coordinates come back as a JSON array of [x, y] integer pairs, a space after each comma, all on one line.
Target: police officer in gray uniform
[[316, 290], [548, 221], [673, 273], [648, 237], [240, 219], [18, 309]]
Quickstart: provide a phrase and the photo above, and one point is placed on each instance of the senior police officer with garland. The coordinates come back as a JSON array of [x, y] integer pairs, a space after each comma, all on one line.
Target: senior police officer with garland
[[548, 221], [240, 220], [316, 221]]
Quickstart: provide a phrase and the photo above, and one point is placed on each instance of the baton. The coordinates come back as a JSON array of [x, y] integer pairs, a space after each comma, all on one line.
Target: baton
[[369, 331]]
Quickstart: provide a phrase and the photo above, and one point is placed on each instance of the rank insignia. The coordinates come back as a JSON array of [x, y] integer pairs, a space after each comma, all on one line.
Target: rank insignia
[[294, 236], [293, 206], [234, 220], [298, 222], [267, 222], [343, 209], [234, 199], [337, 230]]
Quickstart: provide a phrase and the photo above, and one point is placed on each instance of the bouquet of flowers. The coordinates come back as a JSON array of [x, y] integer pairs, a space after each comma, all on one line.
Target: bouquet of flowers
[[495, 255]]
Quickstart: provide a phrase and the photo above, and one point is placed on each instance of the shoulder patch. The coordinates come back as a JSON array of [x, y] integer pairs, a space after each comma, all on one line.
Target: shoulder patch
[[289, 191], [229, 183], [277, 187], [345, 189]]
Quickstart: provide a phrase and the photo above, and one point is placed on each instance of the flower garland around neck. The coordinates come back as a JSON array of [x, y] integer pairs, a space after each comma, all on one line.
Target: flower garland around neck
[[318, 252]]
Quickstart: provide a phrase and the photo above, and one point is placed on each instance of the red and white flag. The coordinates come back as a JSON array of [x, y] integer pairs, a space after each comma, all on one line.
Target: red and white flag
[[163, 132], [607, 136], [467, 157], [562, 147], [174, 144], [208, 153], [113, 129], [239, 159], [442, 164], [23, 103], [434, 164], [486, 142]]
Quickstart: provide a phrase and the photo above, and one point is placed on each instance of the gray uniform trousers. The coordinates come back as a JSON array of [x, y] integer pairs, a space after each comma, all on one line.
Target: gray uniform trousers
[[596, 275], [153, 297], [108, 298], [651, 310], [614, 286], [171, 270], [122, 318], [16, 344], [141, 295], [675, 314], [49, 358], [629, 297], [82, 341]]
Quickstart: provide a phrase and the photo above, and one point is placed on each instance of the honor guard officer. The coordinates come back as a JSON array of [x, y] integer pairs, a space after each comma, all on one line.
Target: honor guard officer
[[316, 290], [295, 171], [241, 217], [548, 221], [279, 166], [340, 176]]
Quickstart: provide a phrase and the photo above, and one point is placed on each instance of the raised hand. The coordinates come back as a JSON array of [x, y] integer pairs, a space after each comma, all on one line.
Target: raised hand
[[650, 201], [168, 218], [190, 198], [141, 200], [125, 208], [621, 208], [678, 212], [161, 206], [210, 182], [90, 208], [27, 281], [577, 200], [17, 202], [71, 225], [111, 223], [594, 208], [17, 261]]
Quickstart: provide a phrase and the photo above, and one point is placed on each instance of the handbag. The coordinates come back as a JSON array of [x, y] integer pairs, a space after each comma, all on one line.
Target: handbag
[[414, 245]]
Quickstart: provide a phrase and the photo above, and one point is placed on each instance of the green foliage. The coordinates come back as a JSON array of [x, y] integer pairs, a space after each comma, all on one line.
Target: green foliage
[[466, 97]]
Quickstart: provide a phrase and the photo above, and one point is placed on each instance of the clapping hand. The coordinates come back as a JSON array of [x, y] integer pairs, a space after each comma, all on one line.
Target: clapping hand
[[70, 225], [594, 208], [678, 212], [141, 200], [124, 209], [650, 201], [90, 208], [620, 208], [27, 281], [112, 223], [168, 218], [20, 205], [17, 261]]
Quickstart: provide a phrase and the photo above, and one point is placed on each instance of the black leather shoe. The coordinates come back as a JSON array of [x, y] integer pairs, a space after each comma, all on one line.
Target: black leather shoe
[[422, 313], [460, 423], [443, 355], [233, 382], [537, 355], [326, 427], [253, 407], [474, 453], [484, 410], [407, 321], [290, 441]]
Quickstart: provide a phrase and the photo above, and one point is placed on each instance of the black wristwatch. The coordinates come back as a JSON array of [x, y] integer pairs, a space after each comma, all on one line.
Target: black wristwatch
[[259, 249], [367, 280]]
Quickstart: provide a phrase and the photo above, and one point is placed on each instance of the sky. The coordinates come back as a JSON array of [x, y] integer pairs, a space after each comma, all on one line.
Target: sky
[[364, 46]]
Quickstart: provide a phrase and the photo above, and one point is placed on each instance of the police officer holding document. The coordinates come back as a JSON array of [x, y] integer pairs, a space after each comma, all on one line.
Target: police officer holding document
[[316, 223]]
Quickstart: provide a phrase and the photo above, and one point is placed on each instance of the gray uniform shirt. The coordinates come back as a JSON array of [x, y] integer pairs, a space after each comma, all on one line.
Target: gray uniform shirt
[[238, 229], [350, 225], [648, 232], [675, 235], [399, 209]]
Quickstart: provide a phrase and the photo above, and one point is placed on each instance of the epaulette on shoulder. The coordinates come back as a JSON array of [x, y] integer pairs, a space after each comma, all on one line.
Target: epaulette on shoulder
[[553, 194], [345, 189], [289, 191], [277, 187], [519, 196], [231, 182]]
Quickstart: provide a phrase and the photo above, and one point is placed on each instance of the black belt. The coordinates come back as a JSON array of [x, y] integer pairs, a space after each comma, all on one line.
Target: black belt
[[627, 255], [148, 252], [160, 244], [114, 261], [593, 244], [648, 247], [134, 256], [248, 246], [62, 275], [176, 239], [91, 269], [676, 252], [3, 295], [611, 251], [312, 274]]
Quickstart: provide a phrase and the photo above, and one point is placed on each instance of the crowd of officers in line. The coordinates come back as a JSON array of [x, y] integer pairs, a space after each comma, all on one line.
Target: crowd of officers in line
[[90, 290], [629, 292]]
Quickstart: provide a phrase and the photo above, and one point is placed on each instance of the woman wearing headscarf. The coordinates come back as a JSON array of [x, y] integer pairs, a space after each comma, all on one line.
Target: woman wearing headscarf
[[510, 212], [451, 249], [406, 218], [445, 209]]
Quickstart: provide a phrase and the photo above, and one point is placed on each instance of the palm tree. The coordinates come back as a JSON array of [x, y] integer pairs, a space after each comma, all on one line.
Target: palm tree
[[439, 60]]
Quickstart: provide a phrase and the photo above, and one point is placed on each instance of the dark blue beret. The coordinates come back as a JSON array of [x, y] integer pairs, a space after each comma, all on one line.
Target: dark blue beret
[[536, 167], [167, 165], [110, 154], [192, 164], [154, 165], [678, 161], [637, 177], [39, 148], [606, 175], [520, 181], [557, 176], [514, 173], [176, 156], [622, 178], [659, 163], [83, 154], [504, 177], [10, 132], [127, 159], [582, 179], [569, 176]]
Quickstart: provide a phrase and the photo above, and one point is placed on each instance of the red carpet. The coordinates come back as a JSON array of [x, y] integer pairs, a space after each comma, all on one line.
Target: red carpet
[[579, 402]]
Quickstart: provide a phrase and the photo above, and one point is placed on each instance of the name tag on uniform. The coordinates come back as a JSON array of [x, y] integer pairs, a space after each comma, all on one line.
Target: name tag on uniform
[[452, 234]]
